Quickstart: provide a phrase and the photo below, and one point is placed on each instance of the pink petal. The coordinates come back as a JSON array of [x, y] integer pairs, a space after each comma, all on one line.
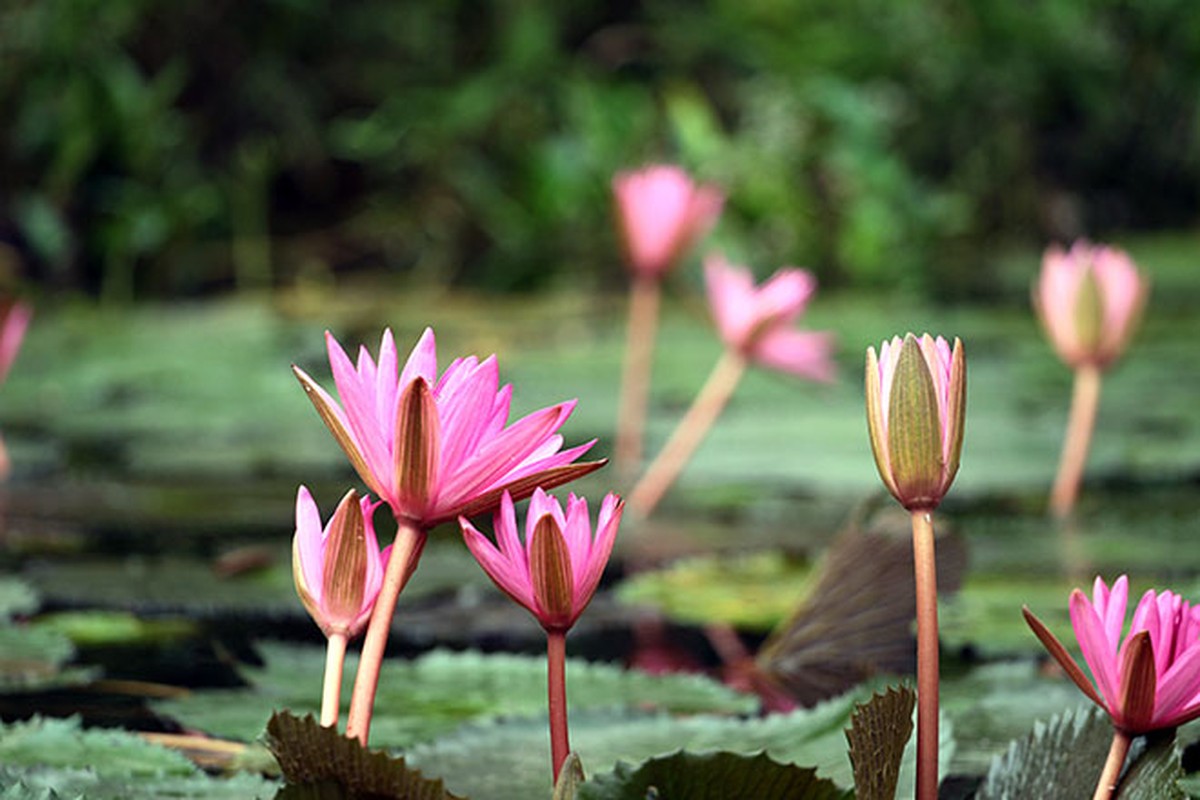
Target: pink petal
[[1098, 651], [804, 354]]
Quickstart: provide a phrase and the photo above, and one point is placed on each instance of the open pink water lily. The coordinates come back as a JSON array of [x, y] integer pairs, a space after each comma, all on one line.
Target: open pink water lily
[[757, 321], [338, 569], [554, 573], [1090, 299], [434, 448], [916, 405], [661, 212], [14, 321], [1150, 679]]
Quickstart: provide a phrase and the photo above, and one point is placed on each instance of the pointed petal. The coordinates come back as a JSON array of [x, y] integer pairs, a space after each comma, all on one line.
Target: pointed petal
[[523, 487], [509, 578], [607, 524], [876, 424], [914, 433], [1179, 686], [1138, 685], [1097, 651], [422, 361], [1055, 648], [333, 418], [345, 569], [550, 573], [418, 449]]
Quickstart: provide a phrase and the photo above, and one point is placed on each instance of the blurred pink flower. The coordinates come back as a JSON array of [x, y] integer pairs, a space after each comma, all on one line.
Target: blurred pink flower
[[14, 321], [1151, 679], [1090, 299], [661, 212], [554, 573], [434, 448], [339, 569], [756, 321], [916, 403]]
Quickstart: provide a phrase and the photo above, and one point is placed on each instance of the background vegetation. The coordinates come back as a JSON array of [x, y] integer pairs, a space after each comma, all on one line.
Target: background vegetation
[[164, 149]]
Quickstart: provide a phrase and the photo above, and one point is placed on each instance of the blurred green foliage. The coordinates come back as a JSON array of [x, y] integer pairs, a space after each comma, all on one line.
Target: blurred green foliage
[[154, 149]]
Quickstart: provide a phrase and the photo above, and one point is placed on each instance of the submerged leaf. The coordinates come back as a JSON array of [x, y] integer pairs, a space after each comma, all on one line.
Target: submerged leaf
[[712, 776], [310, 754], [879, 730]]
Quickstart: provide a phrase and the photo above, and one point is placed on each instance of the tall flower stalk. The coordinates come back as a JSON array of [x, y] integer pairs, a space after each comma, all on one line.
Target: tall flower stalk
[[661, 213], [553, 574], [1148, 681], [433, 448], [338, 571], [1089, 299], [756, 326], [916, 403]]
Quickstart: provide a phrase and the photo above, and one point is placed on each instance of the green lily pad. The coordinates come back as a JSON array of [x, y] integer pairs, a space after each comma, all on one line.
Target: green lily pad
[[33, 659], [713, 776], [16, 598], [91, 628], [421, 699]]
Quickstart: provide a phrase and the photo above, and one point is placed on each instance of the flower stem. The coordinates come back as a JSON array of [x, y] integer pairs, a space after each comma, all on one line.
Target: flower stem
[[406, 551], [1112, 766], [556, 690], [688, 434], [331, 694], [644, 295], [925, 567], [1085, 398]]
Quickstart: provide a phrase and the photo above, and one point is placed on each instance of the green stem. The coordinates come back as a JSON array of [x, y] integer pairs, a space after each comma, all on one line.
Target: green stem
[[925, 567], [331, 694], [406, 551], [688, 435], [556, 689], [1085, 399], [1112, 765], [644, 297]]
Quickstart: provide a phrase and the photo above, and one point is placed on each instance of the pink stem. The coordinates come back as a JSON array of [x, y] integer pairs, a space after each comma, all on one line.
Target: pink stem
[[1085, 399], [1112, 766], [556, 688], [642, 330], [688, 435], [406, 551], [925, 567], [331, 694]]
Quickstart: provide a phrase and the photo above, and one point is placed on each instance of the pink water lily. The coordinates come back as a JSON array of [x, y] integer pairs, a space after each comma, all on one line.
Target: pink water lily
[[436, 447], [916, 404], [1090, 299], [555, 571], [1146, 681], [757, 321], [661, 212], [338, 568]]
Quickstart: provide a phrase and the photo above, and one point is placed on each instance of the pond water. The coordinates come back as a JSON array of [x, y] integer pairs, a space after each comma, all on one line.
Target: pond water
[[145, 553]]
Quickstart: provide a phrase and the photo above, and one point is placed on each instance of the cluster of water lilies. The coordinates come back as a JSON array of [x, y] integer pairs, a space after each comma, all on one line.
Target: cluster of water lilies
[[437, 447]]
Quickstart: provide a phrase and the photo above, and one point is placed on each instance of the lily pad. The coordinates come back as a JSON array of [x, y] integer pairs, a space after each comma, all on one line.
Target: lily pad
[[33, 659], [421, 699]]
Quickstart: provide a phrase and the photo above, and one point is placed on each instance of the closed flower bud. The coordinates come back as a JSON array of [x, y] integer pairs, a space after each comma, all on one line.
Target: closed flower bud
[[1090, 299], [916, 399], [661, 212], [339, 569]]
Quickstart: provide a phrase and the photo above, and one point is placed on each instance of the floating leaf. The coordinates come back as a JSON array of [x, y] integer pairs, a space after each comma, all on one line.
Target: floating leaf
[[32, 659], [46, 758], [1060, 760], [857, 619], [16, 598], [713, 776], [428, 696], [509, 759], [1155, 771], [879, 730], [91, 628], [310, 754]]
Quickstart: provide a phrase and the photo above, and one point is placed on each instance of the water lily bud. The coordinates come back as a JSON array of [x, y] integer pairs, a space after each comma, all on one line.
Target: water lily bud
[[338, 569], [1090, 299], [916, 402]]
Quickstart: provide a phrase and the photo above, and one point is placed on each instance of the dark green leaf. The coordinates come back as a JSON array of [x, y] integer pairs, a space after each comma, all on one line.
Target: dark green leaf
[[311, 754], [713, 776], [1060, 760], [879, 730]]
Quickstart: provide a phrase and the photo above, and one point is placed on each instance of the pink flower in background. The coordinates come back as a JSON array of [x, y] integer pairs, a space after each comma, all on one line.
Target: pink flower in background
[[757, 321], [661, 212], [437, 447], [1150, 679], [338, 569], [14, 321], [555, 571], [1090, 299], [916, 404]]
